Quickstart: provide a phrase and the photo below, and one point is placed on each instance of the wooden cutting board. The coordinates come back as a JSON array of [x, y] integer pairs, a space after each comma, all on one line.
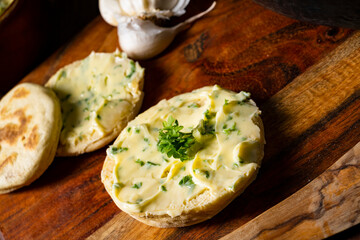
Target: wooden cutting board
[[304, 77]]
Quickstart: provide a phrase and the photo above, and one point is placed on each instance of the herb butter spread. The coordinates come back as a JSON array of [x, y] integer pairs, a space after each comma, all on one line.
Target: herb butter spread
[[209, 140], [97, 95]]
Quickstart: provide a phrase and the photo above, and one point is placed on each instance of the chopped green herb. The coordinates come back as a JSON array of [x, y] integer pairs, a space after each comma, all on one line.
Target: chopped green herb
[[187, 181], [163, 188], [226, 102], [194, 105], [86, 109], [138, 201], [174, 143], [205, 127], [137, 130], [98, 117], [87, 118], [146, 140], [149, 164], [209, 115], [203, 172], [116, 150], [140, 162], [165, 159], [183, 168], [129, 129], [137, 185], [227, 131], [132, 70]]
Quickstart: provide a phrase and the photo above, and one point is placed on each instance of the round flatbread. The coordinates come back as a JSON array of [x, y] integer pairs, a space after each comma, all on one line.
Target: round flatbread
[[183, 160], [30, 123], [98, 96]]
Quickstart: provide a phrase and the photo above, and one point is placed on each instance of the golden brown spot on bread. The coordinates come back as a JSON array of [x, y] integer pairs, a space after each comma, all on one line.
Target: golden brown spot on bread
[[9, 160], [11, 132], [33, 139], [20, 93]]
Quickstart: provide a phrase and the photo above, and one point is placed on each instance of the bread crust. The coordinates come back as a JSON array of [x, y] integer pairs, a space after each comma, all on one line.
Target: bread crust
[[25, 155], [204, 206]]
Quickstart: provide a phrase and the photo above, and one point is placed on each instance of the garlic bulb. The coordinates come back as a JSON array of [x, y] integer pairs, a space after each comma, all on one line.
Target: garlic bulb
[[142, 39], [109, 9], [139, 37], [150, 8]]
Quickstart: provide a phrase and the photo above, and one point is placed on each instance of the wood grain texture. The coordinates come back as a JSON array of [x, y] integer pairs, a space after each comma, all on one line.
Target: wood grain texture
[[327, 205], [240, 46], [295, 121]]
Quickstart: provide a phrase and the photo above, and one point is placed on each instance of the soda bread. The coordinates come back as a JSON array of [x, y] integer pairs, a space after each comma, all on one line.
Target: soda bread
[[30, 123], [98, 96], [185, 159]]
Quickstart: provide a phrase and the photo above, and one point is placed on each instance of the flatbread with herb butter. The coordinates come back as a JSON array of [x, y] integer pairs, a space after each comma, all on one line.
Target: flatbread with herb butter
[[98, 96], [183, 160], [30, 123]]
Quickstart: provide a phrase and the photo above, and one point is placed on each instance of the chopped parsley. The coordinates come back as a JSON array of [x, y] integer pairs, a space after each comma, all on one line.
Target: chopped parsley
[[205, 127], [203, 172], [187, 181], [116, 150], [174, 143], [137, 185], [128, 129], [149, 164], [227, 131], [193, 105], [209, 115], [140, 162], [163, 188]]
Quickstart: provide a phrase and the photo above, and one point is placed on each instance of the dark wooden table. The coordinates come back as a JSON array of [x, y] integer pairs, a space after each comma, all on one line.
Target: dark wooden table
[[310, 121]]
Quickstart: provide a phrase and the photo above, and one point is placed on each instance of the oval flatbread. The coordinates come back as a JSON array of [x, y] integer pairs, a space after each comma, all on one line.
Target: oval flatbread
[[98, 96], [30, 123], [183, 160]]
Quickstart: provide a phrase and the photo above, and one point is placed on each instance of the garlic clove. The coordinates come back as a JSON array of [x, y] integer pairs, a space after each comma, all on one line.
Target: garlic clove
[[142, 39]]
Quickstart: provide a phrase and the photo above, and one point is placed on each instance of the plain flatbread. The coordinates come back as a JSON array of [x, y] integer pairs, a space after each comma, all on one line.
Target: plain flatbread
[[98, 96], [30, 123]]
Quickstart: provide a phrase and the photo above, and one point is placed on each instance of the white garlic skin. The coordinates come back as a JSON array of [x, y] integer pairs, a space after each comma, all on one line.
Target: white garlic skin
[[141, 39], [162, 9], [158, 8]]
